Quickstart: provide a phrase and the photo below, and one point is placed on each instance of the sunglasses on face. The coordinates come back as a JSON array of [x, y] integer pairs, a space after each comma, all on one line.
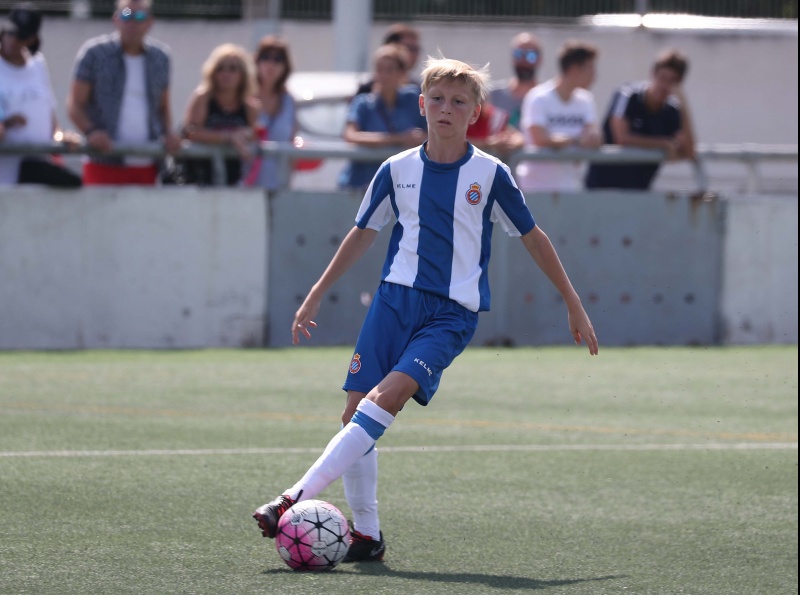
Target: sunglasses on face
[[126, 15], [278, 57], [530, 56]]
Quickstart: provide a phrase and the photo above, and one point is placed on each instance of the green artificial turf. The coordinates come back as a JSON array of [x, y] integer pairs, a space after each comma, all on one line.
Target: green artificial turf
[[646, 470]]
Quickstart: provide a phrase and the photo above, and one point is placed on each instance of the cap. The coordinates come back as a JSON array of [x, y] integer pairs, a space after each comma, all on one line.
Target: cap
[[24, 20]]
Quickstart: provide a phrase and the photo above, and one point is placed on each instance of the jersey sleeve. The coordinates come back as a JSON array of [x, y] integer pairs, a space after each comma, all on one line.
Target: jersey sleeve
[[537, 111], [376, 209], [85, 63], [356, 110], [508, 204], [620, 107]]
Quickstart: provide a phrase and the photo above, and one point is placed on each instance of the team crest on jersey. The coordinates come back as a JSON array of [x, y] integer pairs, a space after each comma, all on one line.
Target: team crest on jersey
[[355, 364], [474, 193]]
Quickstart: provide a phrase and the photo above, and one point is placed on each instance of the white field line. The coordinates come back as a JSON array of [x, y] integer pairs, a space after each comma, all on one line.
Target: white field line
[[405, 449]]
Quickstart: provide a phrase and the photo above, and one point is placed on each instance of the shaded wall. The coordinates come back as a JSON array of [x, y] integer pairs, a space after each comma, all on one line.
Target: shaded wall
[[188, 268], [129, 267]]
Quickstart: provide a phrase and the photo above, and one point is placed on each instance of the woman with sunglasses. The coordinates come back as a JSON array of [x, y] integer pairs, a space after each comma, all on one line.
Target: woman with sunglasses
[[277, 116], [222, 111]]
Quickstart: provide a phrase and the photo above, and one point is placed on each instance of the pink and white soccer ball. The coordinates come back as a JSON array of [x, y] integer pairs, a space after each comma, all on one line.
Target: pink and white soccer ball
[[312, 535]]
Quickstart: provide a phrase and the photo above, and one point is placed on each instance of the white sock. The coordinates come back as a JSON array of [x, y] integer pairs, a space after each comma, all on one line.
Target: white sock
[[361, 490], [344, 449]]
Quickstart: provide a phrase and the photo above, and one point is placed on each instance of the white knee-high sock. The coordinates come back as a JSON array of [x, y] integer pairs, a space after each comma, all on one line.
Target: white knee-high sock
[[348, 446], [361, 490]]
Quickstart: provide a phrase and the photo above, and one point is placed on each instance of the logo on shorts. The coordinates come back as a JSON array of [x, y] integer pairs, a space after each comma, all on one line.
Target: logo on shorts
[[474, 193], [355, 364]]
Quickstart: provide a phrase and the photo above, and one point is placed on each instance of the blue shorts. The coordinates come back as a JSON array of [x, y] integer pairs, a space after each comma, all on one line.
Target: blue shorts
[[410, 331]]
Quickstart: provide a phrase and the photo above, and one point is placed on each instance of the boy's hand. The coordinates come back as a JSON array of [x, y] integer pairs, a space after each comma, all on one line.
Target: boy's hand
[[302, 319], [581, 328]]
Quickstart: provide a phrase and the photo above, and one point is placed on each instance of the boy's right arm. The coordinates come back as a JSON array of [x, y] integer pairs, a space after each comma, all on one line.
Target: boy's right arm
[[544, 254], [353, 247]]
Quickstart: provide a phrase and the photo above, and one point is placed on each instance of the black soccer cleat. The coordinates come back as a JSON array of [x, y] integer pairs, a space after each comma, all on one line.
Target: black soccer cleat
[[268, 515], [364, 548]]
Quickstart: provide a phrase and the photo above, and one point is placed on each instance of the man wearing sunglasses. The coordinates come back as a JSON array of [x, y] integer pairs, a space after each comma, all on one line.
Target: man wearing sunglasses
[[526, 55], [120, 95]]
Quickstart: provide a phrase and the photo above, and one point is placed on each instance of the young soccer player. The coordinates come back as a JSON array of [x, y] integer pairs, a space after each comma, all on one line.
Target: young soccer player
[[445, 196]]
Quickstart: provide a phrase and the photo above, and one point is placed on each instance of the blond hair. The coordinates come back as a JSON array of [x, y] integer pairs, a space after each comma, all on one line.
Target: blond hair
[[229, 51], [446, 69]]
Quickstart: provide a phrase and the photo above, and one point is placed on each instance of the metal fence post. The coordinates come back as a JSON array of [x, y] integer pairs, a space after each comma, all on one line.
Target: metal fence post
[[218, 173]]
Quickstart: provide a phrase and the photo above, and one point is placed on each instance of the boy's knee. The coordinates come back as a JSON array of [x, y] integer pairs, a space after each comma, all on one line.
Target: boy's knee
[[353, 399], [393, 392]]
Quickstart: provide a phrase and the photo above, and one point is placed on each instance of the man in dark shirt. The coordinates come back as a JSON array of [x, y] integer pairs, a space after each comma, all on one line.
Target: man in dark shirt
[[651, 115]]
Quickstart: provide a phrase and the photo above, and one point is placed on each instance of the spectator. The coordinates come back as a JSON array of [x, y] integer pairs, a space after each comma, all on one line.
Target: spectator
[[652, 114], [277, 116], [27, 103], [223, 111], [492, 132], [389, 116], [408, 37], [526, 55], [558, 114], [120, 94]]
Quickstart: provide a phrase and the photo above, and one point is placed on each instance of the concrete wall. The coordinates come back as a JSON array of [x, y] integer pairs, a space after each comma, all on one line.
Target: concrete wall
[[759, 285], [742, 84], [186, 268], [648, 268], [131, 268]]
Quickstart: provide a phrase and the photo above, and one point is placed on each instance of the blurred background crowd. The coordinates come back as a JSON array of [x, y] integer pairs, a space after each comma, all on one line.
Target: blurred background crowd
[[120, 95]]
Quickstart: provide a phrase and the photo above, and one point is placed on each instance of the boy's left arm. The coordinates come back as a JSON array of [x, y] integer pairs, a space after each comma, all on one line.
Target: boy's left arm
[[544, 254]]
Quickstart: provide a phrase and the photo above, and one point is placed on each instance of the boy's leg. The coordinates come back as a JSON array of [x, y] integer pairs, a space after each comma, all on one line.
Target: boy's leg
[[373, 415], [361, 480], [361, 490]]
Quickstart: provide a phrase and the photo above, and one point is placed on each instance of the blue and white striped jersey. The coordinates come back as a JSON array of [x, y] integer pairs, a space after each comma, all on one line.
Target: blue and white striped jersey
[[445, 212]]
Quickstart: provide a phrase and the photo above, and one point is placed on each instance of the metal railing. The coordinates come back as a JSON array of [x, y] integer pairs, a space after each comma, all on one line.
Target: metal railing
[[750, 155]]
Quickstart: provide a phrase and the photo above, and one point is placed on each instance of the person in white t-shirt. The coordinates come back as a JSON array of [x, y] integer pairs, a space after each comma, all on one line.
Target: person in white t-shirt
[[559, 114], [27, 103]]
